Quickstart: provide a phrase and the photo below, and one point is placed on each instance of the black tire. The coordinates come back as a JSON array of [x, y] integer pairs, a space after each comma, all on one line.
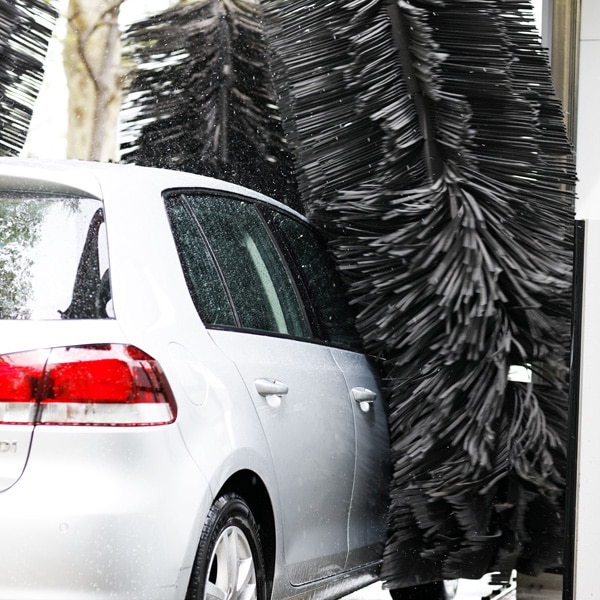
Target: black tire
[[230, 536], [438, 590]]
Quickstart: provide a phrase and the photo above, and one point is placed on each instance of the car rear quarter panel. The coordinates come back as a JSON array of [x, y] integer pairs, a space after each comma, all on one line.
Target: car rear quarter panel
[[216, 417], [101, 512], [154, 309]]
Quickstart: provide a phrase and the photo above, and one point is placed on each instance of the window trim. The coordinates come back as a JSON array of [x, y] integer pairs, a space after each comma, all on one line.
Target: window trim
[[317, 332]]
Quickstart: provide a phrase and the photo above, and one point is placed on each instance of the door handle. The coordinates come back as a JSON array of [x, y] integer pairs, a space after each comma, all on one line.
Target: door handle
[[364, 396], [271, 390]]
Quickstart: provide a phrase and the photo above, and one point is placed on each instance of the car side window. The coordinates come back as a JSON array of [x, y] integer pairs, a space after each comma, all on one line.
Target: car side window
[[321, 280], [203, 280], [260, 286], [257, 279]]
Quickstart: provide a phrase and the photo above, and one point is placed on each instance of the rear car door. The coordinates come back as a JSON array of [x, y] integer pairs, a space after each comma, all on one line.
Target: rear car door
[[252, 307], [335, 325], [367, 527]]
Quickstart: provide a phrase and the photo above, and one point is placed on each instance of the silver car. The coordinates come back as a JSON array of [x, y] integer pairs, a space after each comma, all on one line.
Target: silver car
[[185, 411]]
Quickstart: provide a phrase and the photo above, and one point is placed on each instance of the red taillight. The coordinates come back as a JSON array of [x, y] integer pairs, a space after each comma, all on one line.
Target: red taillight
[[20, 375], [103, 380], [84, 385]]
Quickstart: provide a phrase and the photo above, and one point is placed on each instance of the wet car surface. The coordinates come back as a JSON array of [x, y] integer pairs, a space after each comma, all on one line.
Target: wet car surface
[[185, 407]]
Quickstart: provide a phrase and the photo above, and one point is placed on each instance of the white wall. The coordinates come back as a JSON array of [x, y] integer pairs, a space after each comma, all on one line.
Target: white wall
[[587, 528], [588, 112], [587, 533]]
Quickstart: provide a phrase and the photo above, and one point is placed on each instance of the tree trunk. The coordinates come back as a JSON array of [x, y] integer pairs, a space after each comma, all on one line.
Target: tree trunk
[[91, 58]]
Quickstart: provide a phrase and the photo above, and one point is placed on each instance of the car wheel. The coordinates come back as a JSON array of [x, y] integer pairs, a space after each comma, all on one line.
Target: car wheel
[[229, 563], [437, 590]]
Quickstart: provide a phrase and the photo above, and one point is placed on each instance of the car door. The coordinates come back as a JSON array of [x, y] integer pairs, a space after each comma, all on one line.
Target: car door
[[367, 526], [297, 388], [367, 521]]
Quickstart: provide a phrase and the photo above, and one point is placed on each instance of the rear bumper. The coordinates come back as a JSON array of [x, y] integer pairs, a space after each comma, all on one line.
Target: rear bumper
[[102, 513]]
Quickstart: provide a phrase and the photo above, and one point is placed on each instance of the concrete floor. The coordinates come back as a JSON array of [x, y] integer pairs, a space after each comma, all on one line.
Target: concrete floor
[[546, 587], [468, 589]]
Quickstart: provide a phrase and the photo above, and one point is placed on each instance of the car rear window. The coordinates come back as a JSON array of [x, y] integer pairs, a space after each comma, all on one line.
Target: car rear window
[[53, 258]]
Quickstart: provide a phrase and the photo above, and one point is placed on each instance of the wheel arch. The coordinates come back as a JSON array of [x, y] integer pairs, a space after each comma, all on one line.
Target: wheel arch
[[252, 489]]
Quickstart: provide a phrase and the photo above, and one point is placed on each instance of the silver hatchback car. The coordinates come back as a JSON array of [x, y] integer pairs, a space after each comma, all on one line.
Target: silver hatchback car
[[185, 411]]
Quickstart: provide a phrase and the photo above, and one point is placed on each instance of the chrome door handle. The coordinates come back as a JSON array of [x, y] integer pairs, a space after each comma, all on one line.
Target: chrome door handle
[[364, 396], [271, 390]]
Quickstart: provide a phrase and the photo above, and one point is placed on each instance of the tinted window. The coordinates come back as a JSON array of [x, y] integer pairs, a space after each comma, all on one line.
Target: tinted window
[[53, 258], [260, 286], [258, 281], [202, 277], [321, 280]]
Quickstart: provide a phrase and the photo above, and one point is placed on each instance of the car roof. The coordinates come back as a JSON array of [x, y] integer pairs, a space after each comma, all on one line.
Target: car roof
[[86, 178]]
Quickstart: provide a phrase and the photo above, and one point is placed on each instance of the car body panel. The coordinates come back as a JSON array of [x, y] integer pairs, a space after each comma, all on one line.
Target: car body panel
[[367, 525], [88, 495], [301, 431], [116, 512]]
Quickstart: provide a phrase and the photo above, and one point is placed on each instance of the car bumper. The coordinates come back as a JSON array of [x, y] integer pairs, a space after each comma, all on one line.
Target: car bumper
[[102, 513]]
